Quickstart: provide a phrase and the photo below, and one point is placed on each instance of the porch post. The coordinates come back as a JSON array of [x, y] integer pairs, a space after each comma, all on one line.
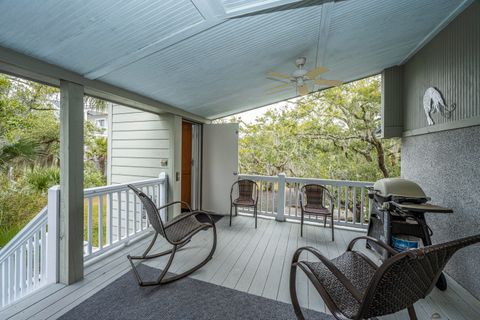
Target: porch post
[[281, 198], [53, 233], [71, 183]]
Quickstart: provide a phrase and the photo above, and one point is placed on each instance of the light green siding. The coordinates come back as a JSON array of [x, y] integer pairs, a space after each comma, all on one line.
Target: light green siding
[[139, 144]]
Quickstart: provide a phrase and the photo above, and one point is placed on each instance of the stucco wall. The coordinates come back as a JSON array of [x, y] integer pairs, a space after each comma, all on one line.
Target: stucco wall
[[445, 158], [447, 166]]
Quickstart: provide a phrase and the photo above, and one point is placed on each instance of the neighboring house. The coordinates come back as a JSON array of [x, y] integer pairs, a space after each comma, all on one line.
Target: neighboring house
[[100, 119]]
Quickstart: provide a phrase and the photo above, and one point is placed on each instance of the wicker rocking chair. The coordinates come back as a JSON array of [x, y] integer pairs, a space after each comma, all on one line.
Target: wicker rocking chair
[[353, 287], [178, 232]]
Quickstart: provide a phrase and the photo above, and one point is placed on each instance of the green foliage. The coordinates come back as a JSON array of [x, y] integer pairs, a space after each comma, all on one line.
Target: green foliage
[[92, 176], [39, 179], [331, 134], [18, 204], [29, 150]]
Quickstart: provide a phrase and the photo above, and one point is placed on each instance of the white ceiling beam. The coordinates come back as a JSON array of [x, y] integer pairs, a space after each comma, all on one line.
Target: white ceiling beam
[[462, 6], [210, 9], [18, 64], [252, 8], [323, 33]]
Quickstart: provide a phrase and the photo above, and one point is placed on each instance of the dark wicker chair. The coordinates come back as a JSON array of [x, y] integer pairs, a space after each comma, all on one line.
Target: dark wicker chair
[[312, 202], [353, 287], [178, 232], [244, 193]]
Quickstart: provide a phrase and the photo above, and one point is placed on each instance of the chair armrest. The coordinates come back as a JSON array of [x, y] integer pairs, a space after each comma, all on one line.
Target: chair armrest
[[175, 202], [378, 242], [337, 273]]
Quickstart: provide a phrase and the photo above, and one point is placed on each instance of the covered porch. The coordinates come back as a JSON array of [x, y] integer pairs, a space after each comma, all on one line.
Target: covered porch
[[251, 260], [197, 61]]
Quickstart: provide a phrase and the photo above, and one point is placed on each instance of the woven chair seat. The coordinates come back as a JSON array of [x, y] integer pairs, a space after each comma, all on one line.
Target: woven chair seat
[[316, 209], [244, 202], [176, 231], [355, 268]]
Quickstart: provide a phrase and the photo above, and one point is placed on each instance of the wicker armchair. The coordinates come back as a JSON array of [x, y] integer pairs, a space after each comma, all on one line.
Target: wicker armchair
[[353, 287], [244, 193], [178, 232], [312, 202]]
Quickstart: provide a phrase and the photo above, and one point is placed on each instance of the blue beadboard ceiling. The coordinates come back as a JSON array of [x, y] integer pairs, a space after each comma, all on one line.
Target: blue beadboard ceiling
[[210, 57]]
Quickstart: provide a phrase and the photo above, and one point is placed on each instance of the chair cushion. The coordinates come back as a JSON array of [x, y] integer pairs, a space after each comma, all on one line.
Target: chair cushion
[[176, 231], [316, 209], [355, 268], [244, 202]]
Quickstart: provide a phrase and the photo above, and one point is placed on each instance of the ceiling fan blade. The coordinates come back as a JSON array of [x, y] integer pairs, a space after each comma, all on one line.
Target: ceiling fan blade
[[278, 75], [303, 90], [312, 74], [323, 82], [280, 87]]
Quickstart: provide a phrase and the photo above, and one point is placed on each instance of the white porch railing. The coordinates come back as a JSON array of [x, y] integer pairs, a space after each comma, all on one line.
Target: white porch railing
[[23, 261], [280, 197], [113, 218], [115, 215]]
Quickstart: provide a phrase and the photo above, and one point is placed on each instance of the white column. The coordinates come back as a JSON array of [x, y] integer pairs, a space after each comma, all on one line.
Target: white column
[[71, 182], [53, 233], [281, 198]]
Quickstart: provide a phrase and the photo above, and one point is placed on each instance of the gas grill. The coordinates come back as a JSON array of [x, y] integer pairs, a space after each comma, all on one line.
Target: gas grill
[[398, 209]]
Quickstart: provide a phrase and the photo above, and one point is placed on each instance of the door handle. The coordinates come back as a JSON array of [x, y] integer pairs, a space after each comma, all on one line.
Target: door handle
[[235, 173]]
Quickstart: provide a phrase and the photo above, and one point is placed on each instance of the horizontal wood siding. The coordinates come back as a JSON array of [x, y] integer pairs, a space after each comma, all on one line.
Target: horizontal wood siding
[[139, 142], [451, 63]]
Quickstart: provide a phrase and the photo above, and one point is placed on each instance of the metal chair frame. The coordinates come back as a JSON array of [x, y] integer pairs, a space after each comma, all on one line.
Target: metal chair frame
[[255, 191], [304, 210], [367, 298], [161, 229]]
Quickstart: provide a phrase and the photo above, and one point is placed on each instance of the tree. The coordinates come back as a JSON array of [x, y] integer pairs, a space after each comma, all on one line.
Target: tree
[[330, 134]]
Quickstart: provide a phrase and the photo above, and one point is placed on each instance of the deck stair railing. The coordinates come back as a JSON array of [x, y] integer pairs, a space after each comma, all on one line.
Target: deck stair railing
[[113, 219], [280, 198]]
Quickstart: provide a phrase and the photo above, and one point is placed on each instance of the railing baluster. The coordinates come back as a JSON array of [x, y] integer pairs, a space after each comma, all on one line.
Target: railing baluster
[[354, 209], [362, 203], [23, 269], [135, 214], [3, 285], [297, 190], [141, 214], [35, 259], [110, 218], [346, 204], [127, 214], [11, 270], [119, 213], [89, 226], [260, 182], [100, 222], [17, 273], [43, 255], [29, 264]]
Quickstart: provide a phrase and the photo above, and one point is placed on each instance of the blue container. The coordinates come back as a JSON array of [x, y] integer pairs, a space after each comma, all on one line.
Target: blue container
[[403, 243]]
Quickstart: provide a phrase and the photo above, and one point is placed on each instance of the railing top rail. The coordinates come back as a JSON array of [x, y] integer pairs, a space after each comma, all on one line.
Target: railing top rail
[[258, 177], [24, 234], [331, 182], [311, 180], [121, 187]]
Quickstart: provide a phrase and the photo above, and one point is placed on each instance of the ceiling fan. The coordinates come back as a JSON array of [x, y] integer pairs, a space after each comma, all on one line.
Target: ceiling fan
[[301, 78]]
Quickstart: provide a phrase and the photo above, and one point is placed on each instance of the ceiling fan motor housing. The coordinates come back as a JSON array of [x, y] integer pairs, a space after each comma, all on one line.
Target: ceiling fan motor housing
[[300, 62]]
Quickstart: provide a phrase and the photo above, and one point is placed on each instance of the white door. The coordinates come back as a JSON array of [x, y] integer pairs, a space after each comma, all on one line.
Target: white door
[[220, 165]]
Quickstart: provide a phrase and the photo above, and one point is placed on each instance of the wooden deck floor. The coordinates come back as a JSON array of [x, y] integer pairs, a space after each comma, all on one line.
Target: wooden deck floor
[[254, 261]]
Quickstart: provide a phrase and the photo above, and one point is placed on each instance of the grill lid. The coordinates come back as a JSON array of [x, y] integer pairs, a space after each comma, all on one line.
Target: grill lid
[[398, 188]]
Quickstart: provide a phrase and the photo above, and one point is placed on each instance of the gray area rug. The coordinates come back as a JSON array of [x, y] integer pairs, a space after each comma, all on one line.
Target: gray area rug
[[184, 299]]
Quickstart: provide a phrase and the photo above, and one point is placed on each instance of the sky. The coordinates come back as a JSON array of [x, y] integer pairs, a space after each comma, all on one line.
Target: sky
[[249, 116]]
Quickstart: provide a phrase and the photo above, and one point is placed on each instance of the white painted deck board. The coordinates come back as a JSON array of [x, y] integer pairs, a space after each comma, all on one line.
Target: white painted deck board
[[247, 259]]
